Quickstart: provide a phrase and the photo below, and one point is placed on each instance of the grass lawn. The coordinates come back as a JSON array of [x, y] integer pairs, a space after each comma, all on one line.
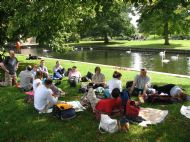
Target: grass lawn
[[20, 122], [152, 43]]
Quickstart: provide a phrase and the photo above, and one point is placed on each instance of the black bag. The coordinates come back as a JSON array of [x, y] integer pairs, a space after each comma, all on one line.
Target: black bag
[[63, 114], [89, 75], [73, 81]]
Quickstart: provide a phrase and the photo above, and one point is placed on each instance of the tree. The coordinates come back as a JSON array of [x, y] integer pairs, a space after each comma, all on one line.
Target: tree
[[43, 18], [163, 14], [111, 19]]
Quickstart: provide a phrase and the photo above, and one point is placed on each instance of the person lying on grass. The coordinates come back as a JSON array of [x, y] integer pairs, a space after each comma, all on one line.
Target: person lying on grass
[[171, 90]]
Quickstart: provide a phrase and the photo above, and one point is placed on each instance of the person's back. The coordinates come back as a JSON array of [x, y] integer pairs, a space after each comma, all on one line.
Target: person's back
[[108, 105], [26, 78], [114, 83], [36, 83], [43, 98]]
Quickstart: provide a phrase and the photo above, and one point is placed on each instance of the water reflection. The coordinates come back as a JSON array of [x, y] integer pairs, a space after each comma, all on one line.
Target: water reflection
[[152, 61]]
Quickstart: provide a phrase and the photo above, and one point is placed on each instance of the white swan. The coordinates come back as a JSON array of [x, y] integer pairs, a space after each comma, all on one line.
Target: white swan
[[165, 60], [128, 52], [45, 50], [175, 57], [163, 53]]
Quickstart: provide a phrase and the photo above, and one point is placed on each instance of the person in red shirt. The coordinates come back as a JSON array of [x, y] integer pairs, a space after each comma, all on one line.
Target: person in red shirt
[[109, 105]]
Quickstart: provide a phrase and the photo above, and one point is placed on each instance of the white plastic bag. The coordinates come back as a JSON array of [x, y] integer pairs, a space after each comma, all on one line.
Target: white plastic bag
[[107, 124]]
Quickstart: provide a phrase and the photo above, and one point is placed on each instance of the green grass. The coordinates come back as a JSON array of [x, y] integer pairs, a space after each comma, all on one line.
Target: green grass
[[20, 122], [151, 43]]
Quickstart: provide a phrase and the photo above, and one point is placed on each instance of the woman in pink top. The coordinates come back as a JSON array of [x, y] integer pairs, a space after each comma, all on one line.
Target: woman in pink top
[[74, 76]]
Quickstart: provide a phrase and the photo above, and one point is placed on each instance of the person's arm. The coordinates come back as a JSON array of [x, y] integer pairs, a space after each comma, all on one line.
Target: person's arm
[[3, 67], [133, 86], [53, 100], [54, 69], [17, 63], [120, 86], [146, 85]]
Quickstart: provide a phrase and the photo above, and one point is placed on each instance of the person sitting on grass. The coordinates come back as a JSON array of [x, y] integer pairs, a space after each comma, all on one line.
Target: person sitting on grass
[[141, 84], [110, 105], [43, 69], [171, 90], [114, 83], [26, 79], [44, 98], [104, 105], [74, 76], [34, 70], [37, 81], [58, 71], [98, 79]]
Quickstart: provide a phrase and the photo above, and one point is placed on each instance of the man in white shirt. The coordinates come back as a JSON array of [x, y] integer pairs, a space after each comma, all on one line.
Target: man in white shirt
[[26, 79], [44, 98]]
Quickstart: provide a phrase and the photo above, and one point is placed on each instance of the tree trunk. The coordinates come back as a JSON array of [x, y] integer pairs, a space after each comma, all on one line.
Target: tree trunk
[[106, 40], [166, 31]]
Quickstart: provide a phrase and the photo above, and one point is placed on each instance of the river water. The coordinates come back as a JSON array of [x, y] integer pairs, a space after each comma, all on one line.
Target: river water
[[137, 60]]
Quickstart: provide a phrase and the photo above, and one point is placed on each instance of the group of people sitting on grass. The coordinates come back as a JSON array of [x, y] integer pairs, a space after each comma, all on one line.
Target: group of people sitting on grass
[[38, 80]]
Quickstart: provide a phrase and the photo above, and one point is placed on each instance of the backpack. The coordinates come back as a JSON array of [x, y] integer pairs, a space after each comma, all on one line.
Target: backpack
[[131, 109], [73, 81], [64, 111], [89, 75]]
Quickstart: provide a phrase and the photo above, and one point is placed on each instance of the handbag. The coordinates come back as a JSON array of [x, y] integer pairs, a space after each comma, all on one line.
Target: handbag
[[132, 109], [107, 124]]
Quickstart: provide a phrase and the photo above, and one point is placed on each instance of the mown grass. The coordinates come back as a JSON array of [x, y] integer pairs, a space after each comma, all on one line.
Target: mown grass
[[151, 43], [20, 122]]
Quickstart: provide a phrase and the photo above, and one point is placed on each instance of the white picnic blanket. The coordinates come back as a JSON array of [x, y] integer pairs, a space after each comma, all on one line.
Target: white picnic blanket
[[76, 105], [152, 116], [185, 110]]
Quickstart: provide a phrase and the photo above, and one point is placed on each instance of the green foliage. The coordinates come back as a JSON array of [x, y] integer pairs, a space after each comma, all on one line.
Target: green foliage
[[164, 17], [111, 19]]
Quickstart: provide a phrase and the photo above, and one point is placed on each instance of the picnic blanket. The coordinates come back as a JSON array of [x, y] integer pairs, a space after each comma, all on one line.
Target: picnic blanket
[[76, 105], [152, 116], [185, 110]]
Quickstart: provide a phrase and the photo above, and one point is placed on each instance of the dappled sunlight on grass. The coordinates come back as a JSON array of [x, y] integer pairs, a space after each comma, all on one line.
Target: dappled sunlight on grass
[[20, 121], [154, 43]]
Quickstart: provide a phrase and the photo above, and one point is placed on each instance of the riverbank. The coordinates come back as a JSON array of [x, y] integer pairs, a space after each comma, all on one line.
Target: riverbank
[[176, 46], [19, 121]]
